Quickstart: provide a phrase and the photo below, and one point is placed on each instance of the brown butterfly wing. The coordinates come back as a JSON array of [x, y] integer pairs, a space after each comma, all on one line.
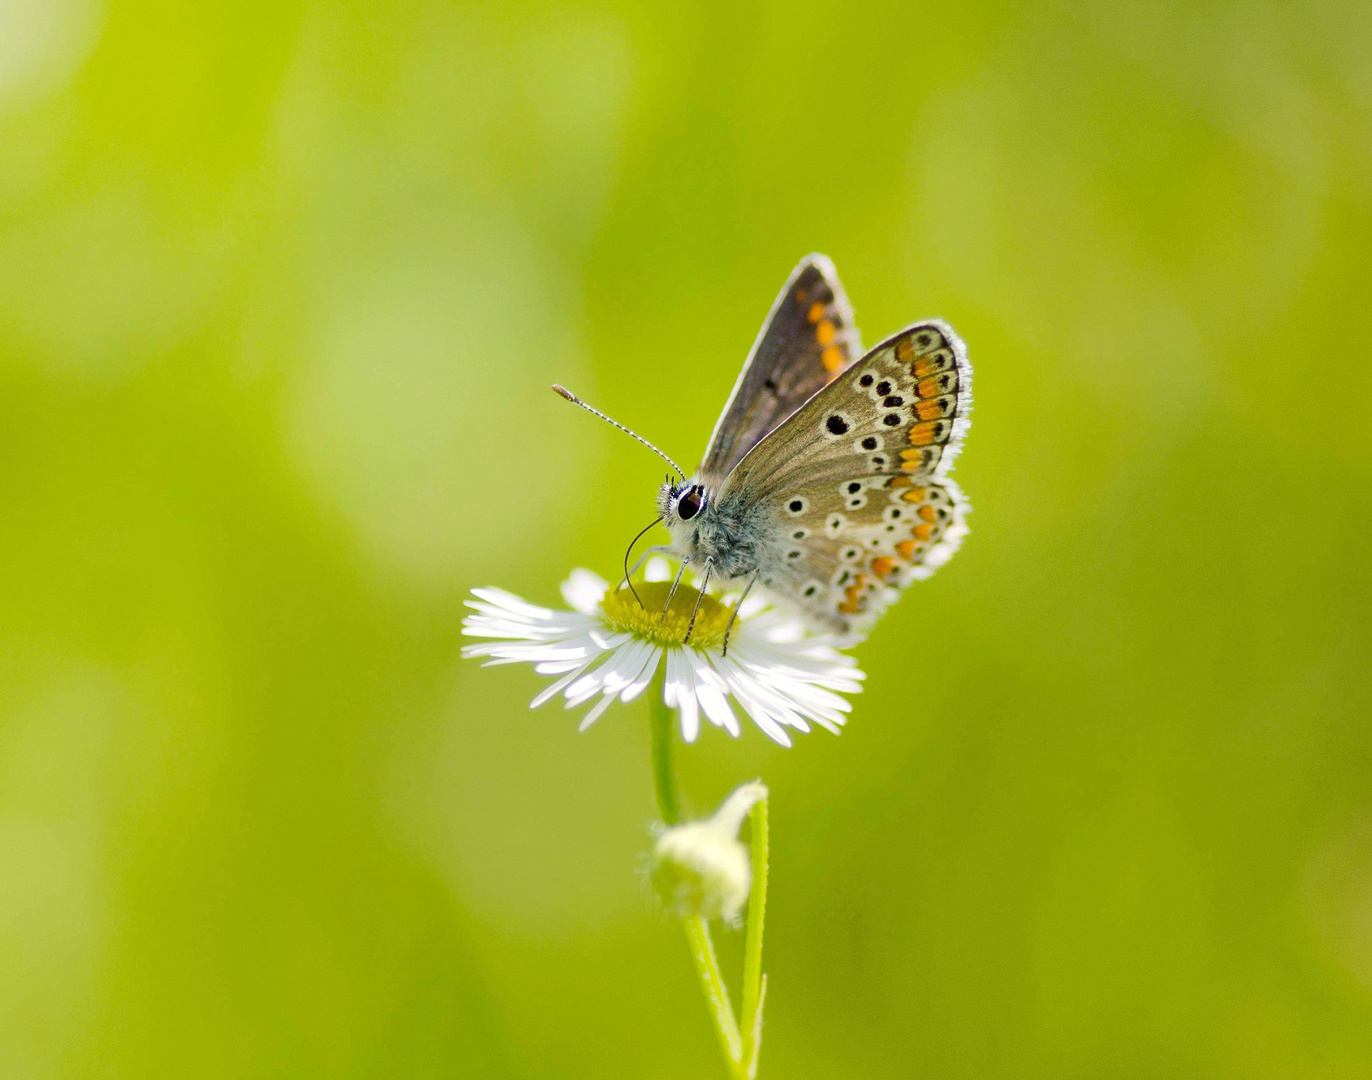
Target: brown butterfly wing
[[808, 339], [857, 478]]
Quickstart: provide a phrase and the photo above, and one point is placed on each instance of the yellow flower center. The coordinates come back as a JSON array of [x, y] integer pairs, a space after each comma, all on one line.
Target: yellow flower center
[[623, 613]]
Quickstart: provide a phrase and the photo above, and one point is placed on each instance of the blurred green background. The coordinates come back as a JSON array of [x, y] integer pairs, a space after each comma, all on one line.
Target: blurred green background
[[282, 288]]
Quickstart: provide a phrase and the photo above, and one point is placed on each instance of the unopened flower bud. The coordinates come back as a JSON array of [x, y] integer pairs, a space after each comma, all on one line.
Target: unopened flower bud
[[702, 868]]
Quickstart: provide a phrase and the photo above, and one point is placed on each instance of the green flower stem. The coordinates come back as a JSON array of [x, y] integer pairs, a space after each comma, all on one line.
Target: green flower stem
[[716, 993], [740, 1055], [754, 981], [661, 722]]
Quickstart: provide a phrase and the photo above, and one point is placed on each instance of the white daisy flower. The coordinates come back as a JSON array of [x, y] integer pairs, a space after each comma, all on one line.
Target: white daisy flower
[[611, 646]]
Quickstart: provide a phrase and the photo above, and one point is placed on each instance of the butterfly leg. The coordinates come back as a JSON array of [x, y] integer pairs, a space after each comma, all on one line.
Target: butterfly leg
[[732, 618], [656, 549], [671, 593], [709, 567]]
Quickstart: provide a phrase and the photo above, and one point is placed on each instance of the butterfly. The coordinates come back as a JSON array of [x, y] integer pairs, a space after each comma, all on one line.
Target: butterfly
[[825, 481]]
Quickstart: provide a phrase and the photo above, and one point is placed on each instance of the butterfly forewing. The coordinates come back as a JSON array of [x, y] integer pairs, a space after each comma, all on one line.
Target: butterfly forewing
[[856, 478], [807, 341]]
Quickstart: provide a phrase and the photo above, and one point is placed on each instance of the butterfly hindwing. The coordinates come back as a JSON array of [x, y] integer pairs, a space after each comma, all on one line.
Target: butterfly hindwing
[[842, 562], [807, 341], [856, 479]]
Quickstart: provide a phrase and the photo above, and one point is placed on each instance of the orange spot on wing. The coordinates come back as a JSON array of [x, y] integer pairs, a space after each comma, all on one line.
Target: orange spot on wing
[[825, 332], [906, 549], [929, 410], [915, 495], [923, 434], [816, 312], [882, 565], [832, 358], [916, 460], [927, 512], [899, 482], [922, 532], [930, 365], [933, 386], [905, 349], [856, 594]]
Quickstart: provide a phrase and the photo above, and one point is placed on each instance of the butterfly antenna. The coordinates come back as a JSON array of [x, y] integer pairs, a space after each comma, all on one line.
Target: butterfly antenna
[[564, 392], [628, 576]]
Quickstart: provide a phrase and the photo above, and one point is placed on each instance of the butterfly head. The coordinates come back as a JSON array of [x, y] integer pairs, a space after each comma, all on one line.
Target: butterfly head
[[681, 502]]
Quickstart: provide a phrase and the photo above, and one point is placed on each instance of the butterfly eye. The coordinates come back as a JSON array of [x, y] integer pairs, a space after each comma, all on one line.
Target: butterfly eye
[[690, 504]]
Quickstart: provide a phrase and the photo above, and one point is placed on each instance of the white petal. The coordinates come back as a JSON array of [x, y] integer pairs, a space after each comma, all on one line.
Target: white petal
[[755, 695], [608, 639], [755, 703], [657, 570], [583, 591], [627, 663], [710, 695], [789, 697], [589, 685], [644, 677], [551, 691], [500, 600], [611, 677], [557, 667], [807, 694], [752, 606], [671, 681], [595, 713], [546, 654], [497, 624], [681, 688]]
